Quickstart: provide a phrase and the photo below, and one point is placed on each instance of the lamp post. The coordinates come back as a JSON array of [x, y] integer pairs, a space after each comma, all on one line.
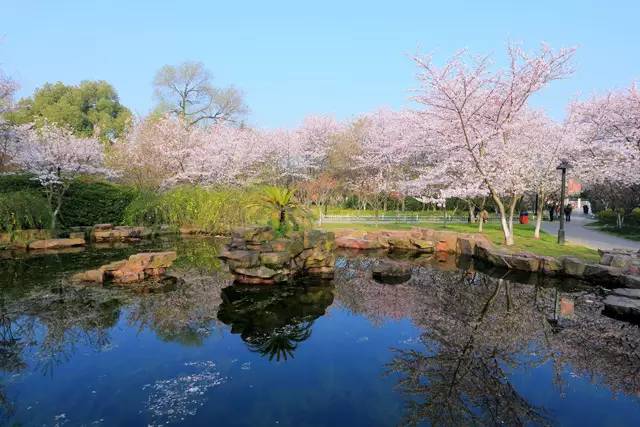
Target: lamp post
[[563, 166]]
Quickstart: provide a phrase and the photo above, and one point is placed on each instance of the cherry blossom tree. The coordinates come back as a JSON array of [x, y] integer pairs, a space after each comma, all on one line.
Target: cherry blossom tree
[[154, 151], [56, 158], [389, 147], [473, 109], [607, 136], [9, 134]]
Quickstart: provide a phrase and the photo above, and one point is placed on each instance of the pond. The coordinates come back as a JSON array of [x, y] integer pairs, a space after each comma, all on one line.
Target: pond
[[451, 346]]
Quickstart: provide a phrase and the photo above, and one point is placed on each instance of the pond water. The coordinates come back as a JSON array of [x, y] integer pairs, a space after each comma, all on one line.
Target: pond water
[[452, 346]]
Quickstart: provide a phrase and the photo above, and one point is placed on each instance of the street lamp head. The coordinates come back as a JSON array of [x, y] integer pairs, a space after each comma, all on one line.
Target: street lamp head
[[564, 165]]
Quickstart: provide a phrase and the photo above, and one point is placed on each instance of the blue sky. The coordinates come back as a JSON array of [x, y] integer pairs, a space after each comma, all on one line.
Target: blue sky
[[300, 57]]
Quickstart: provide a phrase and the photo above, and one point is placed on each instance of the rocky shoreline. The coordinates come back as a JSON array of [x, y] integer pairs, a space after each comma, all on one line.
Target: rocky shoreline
[[616, 269]]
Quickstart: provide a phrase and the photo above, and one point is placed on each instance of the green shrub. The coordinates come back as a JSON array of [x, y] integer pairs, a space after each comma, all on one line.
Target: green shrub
[[20, 210], [607, 216], [635, 216], [89, 202], [217, 210], [18, 182]]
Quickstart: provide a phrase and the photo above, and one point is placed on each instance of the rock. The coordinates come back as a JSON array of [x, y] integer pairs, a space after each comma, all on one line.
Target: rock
[[627, 293], [356, 243], [396, 243], [55, 244], [96, 276], [620, 261], [572, 266], [77, 235], [102, 234], [622, 307], [550, 266], [421, 245], [135, 269], [632, 281], [275, 259], [391, 272], [255, 256], [103, 227], [603, 274], [522, 262], [450, 238], [488, 254], [240, 258], [154, 259]]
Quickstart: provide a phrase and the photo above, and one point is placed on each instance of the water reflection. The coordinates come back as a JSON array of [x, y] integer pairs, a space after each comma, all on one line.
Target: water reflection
[[478, 330], [274, 320]]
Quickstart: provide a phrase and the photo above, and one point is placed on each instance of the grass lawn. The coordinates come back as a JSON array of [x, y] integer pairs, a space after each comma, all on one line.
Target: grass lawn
[[627, 232], [524, 241]]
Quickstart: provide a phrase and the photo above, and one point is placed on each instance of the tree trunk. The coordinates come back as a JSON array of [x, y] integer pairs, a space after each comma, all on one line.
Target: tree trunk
[[512, 208], [539, 210], [480, 219], [506, 231]]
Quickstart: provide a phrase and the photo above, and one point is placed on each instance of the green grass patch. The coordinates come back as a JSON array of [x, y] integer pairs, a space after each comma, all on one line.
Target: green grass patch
[[630, 232], [523, 234]]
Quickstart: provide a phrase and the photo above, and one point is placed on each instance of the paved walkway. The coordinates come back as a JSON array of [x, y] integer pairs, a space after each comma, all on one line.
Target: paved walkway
[[576, 232]]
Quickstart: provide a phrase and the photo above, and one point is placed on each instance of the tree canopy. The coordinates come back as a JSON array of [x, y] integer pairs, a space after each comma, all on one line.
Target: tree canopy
[[185, 90], [90, 109]]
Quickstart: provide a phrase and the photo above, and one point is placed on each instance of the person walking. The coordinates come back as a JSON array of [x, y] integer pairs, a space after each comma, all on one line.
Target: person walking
[[567, 212], [484, 216], [552, 209], [585, 209]]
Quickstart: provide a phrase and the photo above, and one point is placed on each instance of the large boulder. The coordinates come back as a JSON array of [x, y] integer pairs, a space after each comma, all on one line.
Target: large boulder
[[255, 256], [135, 269], [55, 244]]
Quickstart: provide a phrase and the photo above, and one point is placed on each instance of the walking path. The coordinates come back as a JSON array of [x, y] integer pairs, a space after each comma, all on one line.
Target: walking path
[[576, 232]]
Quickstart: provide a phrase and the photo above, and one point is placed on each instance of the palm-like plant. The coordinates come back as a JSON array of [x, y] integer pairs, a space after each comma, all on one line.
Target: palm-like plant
[[282, 202]]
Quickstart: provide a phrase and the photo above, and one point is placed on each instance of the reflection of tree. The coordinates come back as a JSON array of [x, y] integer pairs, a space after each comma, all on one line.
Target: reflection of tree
[[477, 329], [281, 342], [274, 320], [461, 378], [186, 314]]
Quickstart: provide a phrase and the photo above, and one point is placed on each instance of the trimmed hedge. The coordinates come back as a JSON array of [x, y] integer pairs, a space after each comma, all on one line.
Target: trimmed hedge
[[90, 202]]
